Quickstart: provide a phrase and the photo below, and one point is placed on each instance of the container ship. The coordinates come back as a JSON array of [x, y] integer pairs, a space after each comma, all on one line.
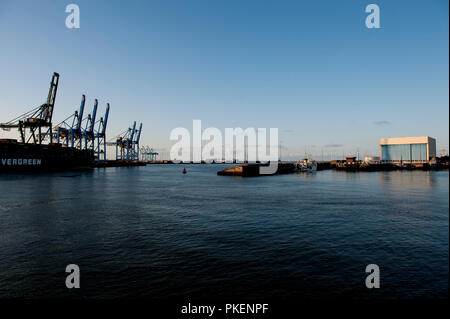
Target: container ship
[[36, 149], [21, 157]]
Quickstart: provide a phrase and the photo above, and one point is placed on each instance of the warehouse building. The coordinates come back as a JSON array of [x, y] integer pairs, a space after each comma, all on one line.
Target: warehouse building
[[419, 149]]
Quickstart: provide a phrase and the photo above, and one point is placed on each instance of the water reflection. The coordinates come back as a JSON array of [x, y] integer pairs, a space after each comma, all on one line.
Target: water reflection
[[407, 180]]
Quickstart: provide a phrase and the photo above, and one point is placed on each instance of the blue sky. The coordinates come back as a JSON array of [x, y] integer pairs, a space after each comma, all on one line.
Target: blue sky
[[310, 68]]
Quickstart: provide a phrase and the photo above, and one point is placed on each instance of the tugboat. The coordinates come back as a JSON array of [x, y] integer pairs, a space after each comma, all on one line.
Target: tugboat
[[31, 153], [306, 165]]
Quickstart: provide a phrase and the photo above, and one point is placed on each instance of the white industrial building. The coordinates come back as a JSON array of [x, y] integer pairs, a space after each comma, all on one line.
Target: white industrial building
[[420, 149]]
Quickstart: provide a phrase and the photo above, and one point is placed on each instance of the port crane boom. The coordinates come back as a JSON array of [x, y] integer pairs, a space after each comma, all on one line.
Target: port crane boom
[[36, 119], [100, 135], [136, 142], [90, 124]]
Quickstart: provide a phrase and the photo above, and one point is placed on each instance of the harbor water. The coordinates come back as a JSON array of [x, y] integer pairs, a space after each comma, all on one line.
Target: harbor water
[[153, 232]]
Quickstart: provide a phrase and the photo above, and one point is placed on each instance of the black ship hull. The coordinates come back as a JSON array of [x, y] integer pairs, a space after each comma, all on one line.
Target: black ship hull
[[22, 157]]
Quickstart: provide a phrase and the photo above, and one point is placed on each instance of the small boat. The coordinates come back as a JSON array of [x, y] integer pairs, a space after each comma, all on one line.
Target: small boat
[[184, 171], [306, 165]]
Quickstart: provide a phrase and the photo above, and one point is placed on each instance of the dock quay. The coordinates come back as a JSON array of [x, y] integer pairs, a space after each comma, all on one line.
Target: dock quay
[[351, 164], [252, 170], [363, 167]]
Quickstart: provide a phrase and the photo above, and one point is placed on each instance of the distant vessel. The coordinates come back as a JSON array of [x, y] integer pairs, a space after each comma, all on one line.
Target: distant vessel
[[31, 154], [306, 165]]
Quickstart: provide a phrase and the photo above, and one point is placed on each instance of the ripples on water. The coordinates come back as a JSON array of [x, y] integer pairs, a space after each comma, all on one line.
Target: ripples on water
[[153, 232]]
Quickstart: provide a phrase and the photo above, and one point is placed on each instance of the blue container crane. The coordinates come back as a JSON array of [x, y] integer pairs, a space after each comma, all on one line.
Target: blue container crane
[[126, 144], [130, 142], [70, 134], [100, 134], [89, 138], [136, 143], [76, 132]]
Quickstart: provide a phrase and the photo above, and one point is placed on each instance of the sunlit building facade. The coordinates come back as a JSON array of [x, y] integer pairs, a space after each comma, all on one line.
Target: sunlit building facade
[[419, 149]]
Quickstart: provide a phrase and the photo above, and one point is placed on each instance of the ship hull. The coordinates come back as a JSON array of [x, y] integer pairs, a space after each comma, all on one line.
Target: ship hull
[[21, 157]]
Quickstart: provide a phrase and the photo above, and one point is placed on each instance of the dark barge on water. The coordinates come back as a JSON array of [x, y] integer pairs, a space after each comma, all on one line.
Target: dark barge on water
[[253, 169]]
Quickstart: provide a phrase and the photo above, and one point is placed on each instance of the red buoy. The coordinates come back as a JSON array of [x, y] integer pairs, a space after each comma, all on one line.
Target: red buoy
[[184, 171]]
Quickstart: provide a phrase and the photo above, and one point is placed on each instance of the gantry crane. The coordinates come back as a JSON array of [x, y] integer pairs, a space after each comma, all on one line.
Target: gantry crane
[[127, 144], [88, 133], [101, 135], [147, 154], [136, 143], [70, 132], [37, 119]]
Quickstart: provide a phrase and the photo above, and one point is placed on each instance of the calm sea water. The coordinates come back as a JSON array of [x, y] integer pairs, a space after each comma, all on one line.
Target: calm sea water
[[153, 232]]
